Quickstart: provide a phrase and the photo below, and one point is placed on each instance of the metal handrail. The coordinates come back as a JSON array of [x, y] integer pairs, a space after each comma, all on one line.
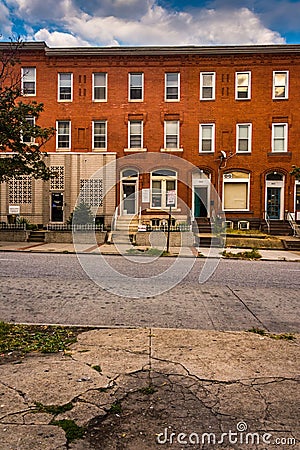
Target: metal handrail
[[267, 219], [293, 224]]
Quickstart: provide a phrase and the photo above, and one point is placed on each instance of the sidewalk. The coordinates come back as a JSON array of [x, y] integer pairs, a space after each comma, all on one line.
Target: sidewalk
[[111, 249], [132, 388]]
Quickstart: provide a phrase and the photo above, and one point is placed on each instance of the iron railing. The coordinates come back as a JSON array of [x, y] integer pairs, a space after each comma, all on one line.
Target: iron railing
[[74, 227]]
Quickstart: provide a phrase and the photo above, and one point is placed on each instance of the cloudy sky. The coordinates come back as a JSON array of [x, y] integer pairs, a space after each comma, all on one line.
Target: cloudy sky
[[151, 22]]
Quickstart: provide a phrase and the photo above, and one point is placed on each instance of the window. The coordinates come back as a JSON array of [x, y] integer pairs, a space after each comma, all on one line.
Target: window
[[99, 134], [171, 134], [243, 137], [243, 85], [136, 86], [280, 85], [162, 182], [26, 136], [172, 86], [207, 138], [63, 135], [279, 137], [236, 191], [100, 87], [28, 81], [65, 86], [135, 134], [207, 85]]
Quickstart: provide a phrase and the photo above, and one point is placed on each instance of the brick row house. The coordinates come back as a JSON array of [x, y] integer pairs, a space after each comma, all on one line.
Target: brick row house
[[136, 126]]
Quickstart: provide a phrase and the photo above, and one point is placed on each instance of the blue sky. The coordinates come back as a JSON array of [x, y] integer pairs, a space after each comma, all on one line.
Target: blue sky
[[151, 22]]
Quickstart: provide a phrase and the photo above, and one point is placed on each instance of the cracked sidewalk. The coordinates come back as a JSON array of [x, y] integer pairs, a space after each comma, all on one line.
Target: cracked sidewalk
[[128, 386]]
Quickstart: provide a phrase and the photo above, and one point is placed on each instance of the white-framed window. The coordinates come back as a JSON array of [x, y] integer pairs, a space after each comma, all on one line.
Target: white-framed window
[[28, 81], [65, 86], [162, 182], [207, 85], [26, 136], [243, 137], [172, 86], [236, 191], [279, 137], [63, 134], [100, 87], [136, 86], [171, 133], [207, 138], [243, 85], [99, 134], [135, 134], [280, 84]]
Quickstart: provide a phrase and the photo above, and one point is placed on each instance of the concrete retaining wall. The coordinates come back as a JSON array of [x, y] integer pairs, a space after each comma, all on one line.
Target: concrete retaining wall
[[14, 235], [66, 237], [158, 239]]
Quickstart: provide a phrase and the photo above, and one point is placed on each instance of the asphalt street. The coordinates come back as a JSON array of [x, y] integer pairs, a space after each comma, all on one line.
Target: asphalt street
[[52, 288]]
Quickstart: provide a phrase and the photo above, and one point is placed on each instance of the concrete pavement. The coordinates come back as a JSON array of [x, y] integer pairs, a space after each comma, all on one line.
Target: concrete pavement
[[110, 249], [140, 389]]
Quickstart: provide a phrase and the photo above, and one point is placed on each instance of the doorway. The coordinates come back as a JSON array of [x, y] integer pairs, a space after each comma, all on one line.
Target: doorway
[[200, 201], [57, 204], [273, 202], [129, 197]]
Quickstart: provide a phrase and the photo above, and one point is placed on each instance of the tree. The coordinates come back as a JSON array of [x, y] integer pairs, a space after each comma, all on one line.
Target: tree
[[296, 172], [82, 215], [21, 138]]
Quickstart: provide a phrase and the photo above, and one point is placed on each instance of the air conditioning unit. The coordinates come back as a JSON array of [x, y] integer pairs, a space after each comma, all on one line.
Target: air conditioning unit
[[243, 225], [228, 224]]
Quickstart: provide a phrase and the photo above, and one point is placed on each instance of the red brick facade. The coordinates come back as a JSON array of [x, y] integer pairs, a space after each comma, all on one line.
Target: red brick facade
[[224, 111]]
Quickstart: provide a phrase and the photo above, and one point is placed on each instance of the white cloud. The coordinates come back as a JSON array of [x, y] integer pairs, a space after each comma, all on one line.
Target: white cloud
[[141, 22], [58, 39], [5, 23]]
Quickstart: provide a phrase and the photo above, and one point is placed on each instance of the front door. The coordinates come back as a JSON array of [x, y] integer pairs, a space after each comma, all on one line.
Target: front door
[[57, 203], [129, 197], [273, 202], [200, 201]]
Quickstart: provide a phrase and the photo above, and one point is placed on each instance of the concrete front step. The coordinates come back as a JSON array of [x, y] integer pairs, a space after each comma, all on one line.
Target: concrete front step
[[36, 236], [291, 244]]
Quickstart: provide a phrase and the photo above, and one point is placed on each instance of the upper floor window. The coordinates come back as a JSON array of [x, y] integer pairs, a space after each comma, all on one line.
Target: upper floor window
[[172, 86], [279, 137], [243, 137], [65, 86], [63, 134], [28, 85], [136, 81], [243, 85], [135, 134], [99, 134], [171, 134], [207, 85], [207, 138], [100, 87], [280, 84], [26, 135]]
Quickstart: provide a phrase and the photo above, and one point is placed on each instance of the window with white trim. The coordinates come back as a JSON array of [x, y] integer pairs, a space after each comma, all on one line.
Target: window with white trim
[[135, 134], [279, 137], [207, 85], [207, 138], [28, 80], [26, 136], [136, 86], [63, 134], [243, 137], [172, 86], [100, 87], [171, 134], [162, 182], [243, 85], [99, 134], [65, 82], [280, 84], [236, 191]]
